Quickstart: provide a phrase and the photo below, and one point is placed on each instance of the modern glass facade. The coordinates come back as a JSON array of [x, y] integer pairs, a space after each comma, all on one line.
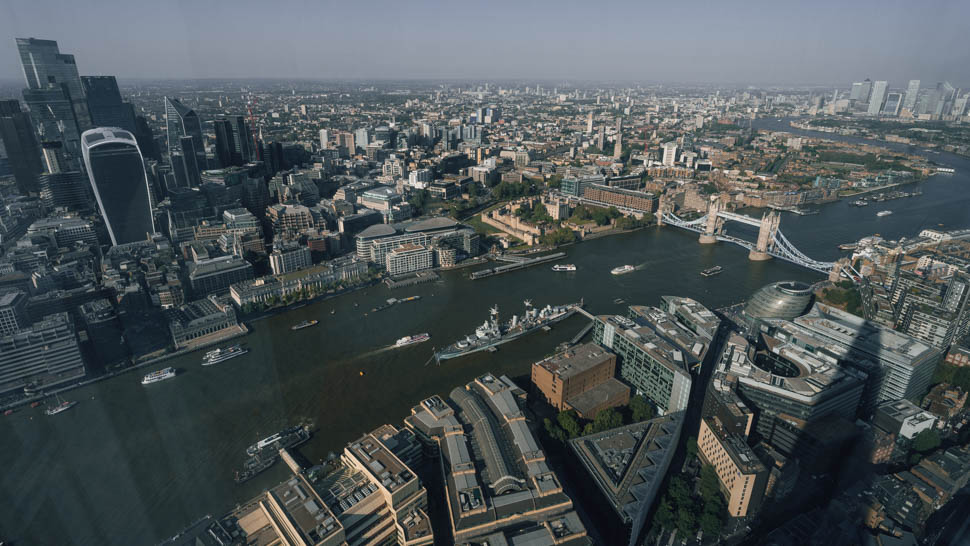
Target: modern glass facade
[[117, 173]]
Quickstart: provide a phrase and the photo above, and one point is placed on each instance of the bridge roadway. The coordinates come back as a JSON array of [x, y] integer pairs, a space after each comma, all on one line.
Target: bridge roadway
[[780, 246]]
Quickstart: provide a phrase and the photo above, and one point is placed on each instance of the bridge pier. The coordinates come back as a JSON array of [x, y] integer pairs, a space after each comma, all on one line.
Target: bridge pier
[[766, 237], [756, 256]]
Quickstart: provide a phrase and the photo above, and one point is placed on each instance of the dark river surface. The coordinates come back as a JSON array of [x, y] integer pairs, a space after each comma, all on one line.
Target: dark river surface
[[133, 464]]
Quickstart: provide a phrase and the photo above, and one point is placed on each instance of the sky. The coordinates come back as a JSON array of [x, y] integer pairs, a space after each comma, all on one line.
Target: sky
[[821, 42]]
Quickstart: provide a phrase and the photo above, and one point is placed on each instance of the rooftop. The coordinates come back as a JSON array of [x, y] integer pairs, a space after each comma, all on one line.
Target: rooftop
[[572, 362]]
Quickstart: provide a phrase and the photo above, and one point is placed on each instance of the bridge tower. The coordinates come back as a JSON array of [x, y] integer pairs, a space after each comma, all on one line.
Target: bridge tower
[[766, 237], [664, 205], [713, 225]]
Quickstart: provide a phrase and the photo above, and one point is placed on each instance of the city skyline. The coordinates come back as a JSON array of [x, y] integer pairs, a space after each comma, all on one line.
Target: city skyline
[[730, 45]]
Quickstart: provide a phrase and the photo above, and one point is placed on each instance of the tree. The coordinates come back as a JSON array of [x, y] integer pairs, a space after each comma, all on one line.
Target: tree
[[927, 440], [607, 419], [553, 430], [709, 485], [685, 521], [569, 423], [419, 200], [710, 524], [640, 408]]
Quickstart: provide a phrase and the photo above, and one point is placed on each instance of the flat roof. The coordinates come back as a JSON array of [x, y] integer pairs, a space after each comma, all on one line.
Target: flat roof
[[577, 360], [611, 389]]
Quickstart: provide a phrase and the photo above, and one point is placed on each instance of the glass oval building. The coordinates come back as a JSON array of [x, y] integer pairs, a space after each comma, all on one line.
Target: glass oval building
[[779, 300], [117, 173]]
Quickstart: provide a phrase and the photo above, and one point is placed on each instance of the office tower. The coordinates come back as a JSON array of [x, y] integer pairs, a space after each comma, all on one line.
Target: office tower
[[877, 97], [362, 137], [45, 353], [589, 124], [865, 92], [146, 140], [64, 190], [242, 139], [45, 67], [181, 121], [105, 105], [912, 92], [117, 174], [53, 155], [618, 142], [893, 102], [54, 117], [324, 138], [670, 153], [856, 91], [190, 161], [601, 138], [17, 139], [13, 311], [225, 146]]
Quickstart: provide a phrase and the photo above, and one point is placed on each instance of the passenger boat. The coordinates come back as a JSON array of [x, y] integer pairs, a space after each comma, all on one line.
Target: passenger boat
[[411, 340], [221, 355], [304, 324], [622, 270], [711, 271], [564, 267], [63, 405], [884, 213], [158, 375]]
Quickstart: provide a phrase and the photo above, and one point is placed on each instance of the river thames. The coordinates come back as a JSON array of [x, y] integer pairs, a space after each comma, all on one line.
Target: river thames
[[138, 463]]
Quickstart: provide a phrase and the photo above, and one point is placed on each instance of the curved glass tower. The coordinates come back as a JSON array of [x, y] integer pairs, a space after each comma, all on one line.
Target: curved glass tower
[[117, 173]]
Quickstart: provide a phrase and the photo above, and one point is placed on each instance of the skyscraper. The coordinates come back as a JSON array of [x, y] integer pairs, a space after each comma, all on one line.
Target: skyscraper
[[225, 145], [912, 92], [45, 66], [117, 174], [324, 138], [190, 161], [589, 124], [180, 120], [893, 101], [105, 105], [17, 139], [877, 97], [242, 139], [54, 118]]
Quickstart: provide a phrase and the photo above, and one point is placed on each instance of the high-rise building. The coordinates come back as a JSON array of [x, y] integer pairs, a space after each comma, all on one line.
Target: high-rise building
[[618, 142], [20, 145], [54, 118], [856, 91], [225, 145], [44, 354], [242, 139], [180, 121], [45, 66], [912, 92], [324, 138], [877, 97], [190, 161], [893, 102], [865, 92], [116, 170], [13, 311], [589, 124], [53, 155], [670, 153], [67, 189], [105, 105]]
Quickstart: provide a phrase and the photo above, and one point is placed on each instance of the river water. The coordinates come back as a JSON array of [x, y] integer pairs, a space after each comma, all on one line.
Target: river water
[[133, 464]]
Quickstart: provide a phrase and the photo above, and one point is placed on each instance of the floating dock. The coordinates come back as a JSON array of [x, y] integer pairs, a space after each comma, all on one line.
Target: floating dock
[[516, 266]]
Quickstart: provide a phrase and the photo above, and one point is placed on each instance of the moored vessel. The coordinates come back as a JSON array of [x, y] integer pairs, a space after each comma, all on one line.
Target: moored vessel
[[493, 333], [288, 437], [220, 355], [564, 267], [63, 405]]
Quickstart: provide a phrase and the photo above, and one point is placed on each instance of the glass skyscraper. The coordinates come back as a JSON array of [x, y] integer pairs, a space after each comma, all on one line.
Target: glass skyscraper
[[46, 67], [105, 105], [117, 174]]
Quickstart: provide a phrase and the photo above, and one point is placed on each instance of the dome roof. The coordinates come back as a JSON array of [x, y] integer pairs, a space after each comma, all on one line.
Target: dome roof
[[781, 300]]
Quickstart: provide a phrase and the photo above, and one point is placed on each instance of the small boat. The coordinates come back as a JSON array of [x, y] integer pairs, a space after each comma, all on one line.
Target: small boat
[[64, 405], [884, 213], [34, 404], [411, 340], [333, 311], [618, 301], [362, 373], [158, 375], [304, 324], [8, 412], [623, 269], [711, 271], [564, 267]]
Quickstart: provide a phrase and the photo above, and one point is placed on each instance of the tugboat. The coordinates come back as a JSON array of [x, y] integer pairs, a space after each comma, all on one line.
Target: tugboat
[[492, 333], [304, 324], [622, 270], [711, 271]]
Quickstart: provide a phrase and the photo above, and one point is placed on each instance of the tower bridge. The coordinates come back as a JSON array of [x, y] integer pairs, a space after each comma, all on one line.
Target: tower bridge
[[771, 242]]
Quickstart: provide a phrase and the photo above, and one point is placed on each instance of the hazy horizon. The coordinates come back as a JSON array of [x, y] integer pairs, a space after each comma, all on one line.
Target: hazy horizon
[[823, 43]]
